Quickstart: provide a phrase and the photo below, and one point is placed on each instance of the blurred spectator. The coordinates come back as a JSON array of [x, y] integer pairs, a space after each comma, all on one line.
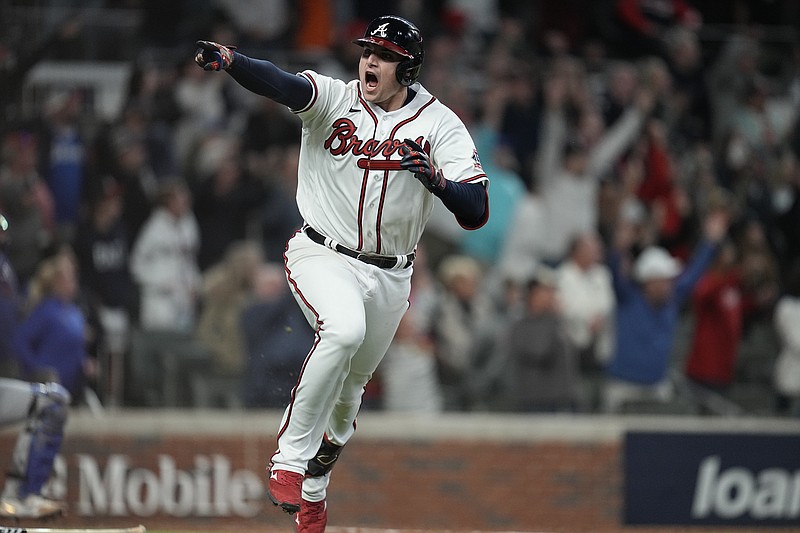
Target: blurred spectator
[[587, 309], [561, 31], [17, 60], [408, 373], [486, 243], [137, 126], [152, 93], [164, 262], [672, 211], [137, 182], [260, 23], [102, 247], [737, 63], [755, 121], [194, 93], [408, 377], [508, 188], [223, 203], [717, 309], [654, 76], [786, 377], [63, 146], [521, 119], [277, 339], [269, 125], [621, 85], [164, 266], [280, 217], [760, 274], [51, 341], [26, 202], [644, 23], [691, 113], [786, 202], [464, 323], [571, 164], [540, 365], [649, 301], [226, 288]]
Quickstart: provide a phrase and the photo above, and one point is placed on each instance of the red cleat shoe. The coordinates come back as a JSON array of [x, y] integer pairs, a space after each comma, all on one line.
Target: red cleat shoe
[[312, 518], [285, 489]]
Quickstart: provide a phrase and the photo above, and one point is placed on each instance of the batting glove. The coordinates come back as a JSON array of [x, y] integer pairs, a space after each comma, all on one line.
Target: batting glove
[[416, 161], [213, 56]]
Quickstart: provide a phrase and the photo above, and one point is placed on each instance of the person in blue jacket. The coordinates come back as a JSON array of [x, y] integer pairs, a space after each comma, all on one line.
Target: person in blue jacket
[[51, 341], [650, 293]]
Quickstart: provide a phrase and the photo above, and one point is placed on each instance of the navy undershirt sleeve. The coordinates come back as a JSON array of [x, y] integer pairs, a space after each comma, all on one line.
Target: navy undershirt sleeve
[[467, 201], [263, 77]]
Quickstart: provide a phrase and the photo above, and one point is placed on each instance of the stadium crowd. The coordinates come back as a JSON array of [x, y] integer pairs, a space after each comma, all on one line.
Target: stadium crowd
[[642, 254]]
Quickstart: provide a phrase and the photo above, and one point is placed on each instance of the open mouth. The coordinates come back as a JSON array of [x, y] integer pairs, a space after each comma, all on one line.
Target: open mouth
[[371, 80]]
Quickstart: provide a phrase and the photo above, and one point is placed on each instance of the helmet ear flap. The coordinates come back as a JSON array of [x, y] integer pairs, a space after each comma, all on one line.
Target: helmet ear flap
[[403, 73], [408, 70]]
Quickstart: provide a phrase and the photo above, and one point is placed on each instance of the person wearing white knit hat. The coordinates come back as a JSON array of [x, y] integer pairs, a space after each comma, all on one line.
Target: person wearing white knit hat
[[649, 300]]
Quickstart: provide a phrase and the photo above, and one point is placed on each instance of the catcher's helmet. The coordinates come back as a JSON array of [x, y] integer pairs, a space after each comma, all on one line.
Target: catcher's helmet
[[402, 37]]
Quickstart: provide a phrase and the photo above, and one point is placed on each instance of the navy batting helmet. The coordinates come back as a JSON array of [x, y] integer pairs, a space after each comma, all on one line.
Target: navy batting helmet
[[402, 37]]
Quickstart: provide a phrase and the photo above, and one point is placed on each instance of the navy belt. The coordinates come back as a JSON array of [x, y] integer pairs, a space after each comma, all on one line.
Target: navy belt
[[378, 260]]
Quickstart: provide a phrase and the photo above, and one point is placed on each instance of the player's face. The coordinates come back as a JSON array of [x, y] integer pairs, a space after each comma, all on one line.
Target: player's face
[[379, 84]]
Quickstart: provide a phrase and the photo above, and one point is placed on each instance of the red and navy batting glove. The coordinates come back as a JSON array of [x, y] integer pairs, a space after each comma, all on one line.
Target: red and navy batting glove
[[213, 56], [416, 161]]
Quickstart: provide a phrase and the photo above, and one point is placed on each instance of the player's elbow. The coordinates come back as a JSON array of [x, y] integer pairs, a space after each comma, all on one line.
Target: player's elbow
[[473, 224], [479, 214]]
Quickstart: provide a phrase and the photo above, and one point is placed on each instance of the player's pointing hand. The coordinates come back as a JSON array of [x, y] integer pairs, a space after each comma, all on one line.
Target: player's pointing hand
[[213, 56], [416, 161]]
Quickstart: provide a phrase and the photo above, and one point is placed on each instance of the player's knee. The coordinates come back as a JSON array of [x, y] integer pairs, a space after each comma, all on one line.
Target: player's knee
[[346, 334], [56, 393], [52, 402]]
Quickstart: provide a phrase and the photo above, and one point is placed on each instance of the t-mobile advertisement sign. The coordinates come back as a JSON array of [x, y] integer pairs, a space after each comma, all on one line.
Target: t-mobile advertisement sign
[[712, 478]]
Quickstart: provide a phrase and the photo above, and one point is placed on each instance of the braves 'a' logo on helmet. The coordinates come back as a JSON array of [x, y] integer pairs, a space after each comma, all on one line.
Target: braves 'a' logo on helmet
[[380, 31]]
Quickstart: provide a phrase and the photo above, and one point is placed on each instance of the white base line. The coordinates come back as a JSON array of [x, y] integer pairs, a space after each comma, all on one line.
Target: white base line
[[6, 529]]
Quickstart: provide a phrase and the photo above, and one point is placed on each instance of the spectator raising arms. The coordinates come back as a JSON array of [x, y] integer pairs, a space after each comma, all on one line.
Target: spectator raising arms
[[717, 306], [649, 300]]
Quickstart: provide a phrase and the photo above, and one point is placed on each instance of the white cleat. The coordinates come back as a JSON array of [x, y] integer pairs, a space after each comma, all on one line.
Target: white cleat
[[32, 506]]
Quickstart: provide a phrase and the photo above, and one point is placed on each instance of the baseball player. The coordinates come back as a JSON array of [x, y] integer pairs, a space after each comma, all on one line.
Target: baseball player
[[375, 153], [44, 407]]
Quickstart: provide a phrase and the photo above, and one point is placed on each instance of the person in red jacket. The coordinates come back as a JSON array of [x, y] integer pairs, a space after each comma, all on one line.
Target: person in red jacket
[[717, 305]]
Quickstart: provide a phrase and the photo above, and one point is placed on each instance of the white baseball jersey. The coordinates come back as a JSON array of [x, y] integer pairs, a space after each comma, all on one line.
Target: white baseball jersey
[[361, 197]]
